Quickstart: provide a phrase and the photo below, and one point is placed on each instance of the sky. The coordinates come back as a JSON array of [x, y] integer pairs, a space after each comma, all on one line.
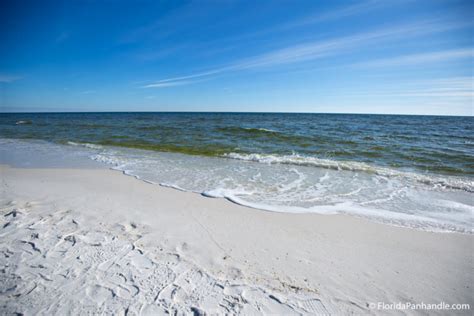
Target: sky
[[368, 56]]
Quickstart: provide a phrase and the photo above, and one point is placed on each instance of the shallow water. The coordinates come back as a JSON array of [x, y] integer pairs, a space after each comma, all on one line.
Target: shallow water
[[414, 171]]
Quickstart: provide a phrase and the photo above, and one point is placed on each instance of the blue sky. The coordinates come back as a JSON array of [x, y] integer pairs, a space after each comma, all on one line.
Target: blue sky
[[408, 57]]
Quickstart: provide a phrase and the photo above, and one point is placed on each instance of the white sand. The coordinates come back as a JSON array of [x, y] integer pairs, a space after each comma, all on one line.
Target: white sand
[[96, 241]]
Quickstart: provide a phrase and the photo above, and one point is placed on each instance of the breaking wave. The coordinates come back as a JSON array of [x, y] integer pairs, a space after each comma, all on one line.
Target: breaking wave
[[295, 159]]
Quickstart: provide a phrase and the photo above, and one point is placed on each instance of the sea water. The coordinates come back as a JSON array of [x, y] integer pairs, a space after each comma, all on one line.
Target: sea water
[[414, 171]]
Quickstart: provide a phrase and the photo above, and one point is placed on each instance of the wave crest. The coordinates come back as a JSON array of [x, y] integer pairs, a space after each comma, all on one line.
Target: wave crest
[[87, 145], [295, 159]]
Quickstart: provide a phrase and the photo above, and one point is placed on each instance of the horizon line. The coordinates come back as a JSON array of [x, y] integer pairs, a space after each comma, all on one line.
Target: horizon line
[[230, 112]]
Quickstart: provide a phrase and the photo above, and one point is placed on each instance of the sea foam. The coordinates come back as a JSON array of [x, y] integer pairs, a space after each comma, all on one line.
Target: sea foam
[[295, 159]]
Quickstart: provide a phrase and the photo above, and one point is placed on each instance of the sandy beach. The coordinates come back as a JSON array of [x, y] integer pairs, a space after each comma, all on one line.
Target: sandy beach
[[96, 241]]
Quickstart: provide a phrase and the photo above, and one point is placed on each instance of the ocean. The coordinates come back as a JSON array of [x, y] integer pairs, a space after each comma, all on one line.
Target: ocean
[[413, 171]]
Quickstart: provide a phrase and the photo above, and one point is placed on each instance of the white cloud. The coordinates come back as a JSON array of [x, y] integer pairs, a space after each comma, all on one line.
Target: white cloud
[[429, 57], [438, 89], [345, 11], [165, 84], [317, 49]]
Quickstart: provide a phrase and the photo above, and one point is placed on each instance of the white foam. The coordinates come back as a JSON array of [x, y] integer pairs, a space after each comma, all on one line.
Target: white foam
[[348, 208], [295, 159], [173, 186], [22, 122], [261, 129], [87, 145]]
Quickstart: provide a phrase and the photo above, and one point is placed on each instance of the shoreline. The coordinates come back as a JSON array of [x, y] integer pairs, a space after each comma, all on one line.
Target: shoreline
[[268, 208], [343, 262], [401, 199]]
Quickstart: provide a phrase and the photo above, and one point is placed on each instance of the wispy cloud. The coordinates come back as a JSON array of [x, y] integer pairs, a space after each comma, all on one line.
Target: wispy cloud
[[169, 83], [6, 78], [454, 87], [88, 92], [342, 12], [161, 28], [308, 51], [443, 89], [429, 57], [188, 79], [314, 50], [461, 83], [319, 17]]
